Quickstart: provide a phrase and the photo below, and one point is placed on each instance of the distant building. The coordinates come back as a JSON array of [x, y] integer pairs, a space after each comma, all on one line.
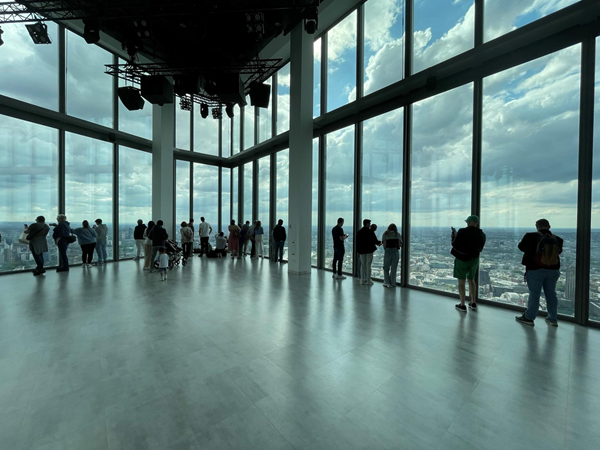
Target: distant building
[[570, 284]]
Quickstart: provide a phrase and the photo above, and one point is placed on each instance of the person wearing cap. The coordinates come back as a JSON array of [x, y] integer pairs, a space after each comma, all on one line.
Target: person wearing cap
[[467, 244], [38, 245], [541, 250], [102, 231]]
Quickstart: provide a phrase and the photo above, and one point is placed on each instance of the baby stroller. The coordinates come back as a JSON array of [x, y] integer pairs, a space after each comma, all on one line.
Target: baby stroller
[[176, 256]]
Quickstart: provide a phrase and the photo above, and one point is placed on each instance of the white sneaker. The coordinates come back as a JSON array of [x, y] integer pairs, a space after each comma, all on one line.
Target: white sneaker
[[386, 285], [341, 277], [369, 283], [89, 265]]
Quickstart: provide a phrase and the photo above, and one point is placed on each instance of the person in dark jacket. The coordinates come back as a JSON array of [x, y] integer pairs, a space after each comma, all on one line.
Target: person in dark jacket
[[138, 235], [467, 244], [158, 236], [61, 234], [279, 237], [366, 245], [38, 245], [338, 236], [541, 250]]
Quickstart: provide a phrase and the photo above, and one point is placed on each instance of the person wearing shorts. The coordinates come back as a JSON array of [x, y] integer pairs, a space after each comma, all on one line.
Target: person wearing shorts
[[467, 244]]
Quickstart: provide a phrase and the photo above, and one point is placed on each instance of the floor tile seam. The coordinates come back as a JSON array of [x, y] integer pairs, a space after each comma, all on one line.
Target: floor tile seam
[[273, 425]]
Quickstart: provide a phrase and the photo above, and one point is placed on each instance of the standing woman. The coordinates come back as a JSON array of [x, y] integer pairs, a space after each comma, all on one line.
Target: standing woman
[[187, 237], [148, 246], [87, 240], [234, 239], [258, 238], [392, 241], [38, 245]]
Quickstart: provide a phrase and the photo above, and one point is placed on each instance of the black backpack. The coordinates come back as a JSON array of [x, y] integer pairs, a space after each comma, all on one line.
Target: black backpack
[[547, 251]]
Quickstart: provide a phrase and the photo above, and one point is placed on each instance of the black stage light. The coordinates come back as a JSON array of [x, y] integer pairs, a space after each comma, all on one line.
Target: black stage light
[[1, 41], [217, 113], [187, 84], [39, 33], [185, 103], [131, 98], [204, 110], [91, 31], [311, 21], [229, 110], [260, 94]]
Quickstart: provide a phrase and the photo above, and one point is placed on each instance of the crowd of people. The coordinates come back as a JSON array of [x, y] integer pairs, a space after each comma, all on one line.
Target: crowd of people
[[541, 250]]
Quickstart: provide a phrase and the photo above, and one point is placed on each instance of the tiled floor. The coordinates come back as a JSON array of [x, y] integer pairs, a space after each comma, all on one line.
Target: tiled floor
[[240, 355]]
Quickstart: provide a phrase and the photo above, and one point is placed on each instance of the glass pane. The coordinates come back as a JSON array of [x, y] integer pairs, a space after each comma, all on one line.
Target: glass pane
[[443, 29], [530, 172], [234, 195], [339, 191], [248, 125], [226, 137], [341, 63], [283, 192], [265, 119], [182, 128], [89, 89], [382, 177], [384, 43], [225, 199], [89, 186], [264, 203], [206, 133], [317, 79], [315, 203], [595, 248], [236, 128], [30, 71], [29, 188], [182, 193], [441, 184], [206, 198], [138, 122], [248, 193], [500, 17], [135, 196], [283, 99]]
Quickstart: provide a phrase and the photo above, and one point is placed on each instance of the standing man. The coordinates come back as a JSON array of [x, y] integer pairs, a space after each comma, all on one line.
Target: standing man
[[467, 244], [36, 235], [61, 236], [204, 231], [366, 243], [251, 237], [158, 235], [191, 225], [138, 235], [542, 268], [102, 231], [339, 250], [279, 236]]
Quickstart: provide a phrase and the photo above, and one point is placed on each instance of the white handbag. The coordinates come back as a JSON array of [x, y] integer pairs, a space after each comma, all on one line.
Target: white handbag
[[23, 239]]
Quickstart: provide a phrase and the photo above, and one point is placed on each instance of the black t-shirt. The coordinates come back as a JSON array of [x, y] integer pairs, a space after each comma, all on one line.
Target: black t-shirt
[[337, 232]]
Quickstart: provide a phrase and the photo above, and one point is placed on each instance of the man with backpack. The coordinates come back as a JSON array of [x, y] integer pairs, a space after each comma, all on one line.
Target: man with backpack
[[467, 244], [542, 268]]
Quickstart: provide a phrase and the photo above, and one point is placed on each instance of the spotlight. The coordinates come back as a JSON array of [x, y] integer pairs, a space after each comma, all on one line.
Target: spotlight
[[311, 20], [131, 98], [217, 113], [185, 103], [204, 110], [39, 33], [1, 41], [229, 110], [91, 31], [142, 29], [255, 22]]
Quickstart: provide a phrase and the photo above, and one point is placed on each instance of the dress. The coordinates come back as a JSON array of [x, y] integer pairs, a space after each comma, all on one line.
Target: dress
[[234, 241]]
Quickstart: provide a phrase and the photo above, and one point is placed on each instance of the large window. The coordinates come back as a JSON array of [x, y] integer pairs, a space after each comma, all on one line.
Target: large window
[[89, 89], [206, 133], [30, 71], [226, 137], [341, 63], [183, 129], [500, 17], [264, 201], [28, 188], [529, 170], [265, 119], [235, 195], [382, 176], [317, 79], [206, 197], [595, 248], [283, 99], [237, 119], [137, 122], [225, 199], [441, 184], [89, 186], [314, 234], [443, 29], [283, 192], [135, 196], [182, 194], [339, 191], [248, 125], [247, 215], [384, 43]]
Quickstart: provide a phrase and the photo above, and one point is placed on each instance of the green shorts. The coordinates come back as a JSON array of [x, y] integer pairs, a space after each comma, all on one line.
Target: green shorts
[[466, 269]]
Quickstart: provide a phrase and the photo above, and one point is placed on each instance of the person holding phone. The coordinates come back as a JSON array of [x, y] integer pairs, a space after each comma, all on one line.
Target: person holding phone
[[339, 250], [467, 244]]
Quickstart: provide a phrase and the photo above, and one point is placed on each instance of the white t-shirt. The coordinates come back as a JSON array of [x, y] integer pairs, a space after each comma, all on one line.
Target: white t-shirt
[[203, 229], [163, 261]]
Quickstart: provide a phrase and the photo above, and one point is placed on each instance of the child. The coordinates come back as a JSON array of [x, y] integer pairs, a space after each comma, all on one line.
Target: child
[[163, 264]]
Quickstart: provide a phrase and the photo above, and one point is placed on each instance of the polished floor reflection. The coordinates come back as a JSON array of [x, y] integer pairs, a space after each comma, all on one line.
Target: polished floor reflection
[[240, 355]]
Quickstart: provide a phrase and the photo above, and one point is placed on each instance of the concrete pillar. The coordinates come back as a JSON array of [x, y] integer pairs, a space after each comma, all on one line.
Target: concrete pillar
[[163, 144], [300, 164]]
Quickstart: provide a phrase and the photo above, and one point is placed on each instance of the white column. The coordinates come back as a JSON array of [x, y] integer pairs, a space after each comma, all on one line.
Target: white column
[[163, 144], [300, 164]]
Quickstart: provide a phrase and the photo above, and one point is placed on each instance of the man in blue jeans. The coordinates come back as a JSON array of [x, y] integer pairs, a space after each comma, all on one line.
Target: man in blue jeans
[[542, 269], [279, 237]]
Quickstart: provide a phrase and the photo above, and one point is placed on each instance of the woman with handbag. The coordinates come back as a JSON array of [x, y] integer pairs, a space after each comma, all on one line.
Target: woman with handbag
[[87, 240], [36, 235], [63, 236]]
